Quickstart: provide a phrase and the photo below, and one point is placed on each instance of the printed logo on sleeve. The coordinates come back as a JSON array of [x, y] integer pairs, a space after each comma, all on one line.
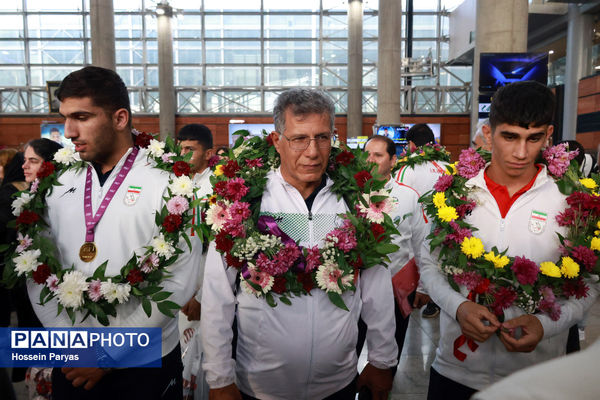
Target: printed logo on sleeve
[[132, 195], [537, 221]]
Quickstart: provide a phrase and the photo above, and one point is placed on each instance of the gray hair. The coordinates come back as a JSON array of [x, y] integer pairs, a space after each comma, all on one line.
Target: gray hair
[[302, 102]]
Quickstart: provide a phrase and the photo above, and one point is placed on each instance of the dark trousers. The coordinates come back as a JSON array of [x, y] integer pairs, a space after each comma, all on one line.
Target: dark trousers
[[347, 393], [129, 383], [399, 334], [442, 388]]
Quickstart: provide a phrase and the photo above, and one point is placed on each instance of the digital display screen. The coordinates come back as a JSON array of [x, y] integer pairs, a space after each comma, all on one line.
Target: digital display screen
[[500, 69]]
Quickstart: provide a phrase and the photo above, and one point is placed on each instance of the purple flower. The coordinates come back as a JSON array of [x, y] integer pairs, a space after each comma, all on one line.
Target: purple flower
[[254, 163], [24, 242], [177, 205], [469, 279], [469, 163], [214, 160], [586, 256], [313, 258], [150, 263], [548, 303], [166, 157], [343, 237], [443, 183], [459, 233], [465, 208], [558, 158], [525, 270], [94, 292], [281, 262], [34, 185]]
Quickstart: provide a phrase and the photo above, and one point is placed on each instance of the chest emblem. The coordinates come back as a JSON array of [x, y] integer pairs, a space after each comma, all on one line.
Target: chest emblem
[[132, 195], [537, 221]]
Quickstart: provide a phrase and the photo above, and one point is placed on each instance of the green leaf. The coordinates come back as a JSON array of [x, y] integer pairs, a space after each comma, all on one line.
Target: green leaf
[[385, 248], [285, 300], [270, 300], [99, 272], [71, 314], [165, 307], [59, 309], [187, 240], [151, 290], [4, 247], [337, 300], [147, 306], [160, 296]]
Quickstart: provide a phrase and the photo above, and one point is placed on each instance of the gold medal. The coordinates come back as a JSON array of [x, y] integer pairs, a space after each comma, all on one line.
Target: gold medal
[[88, 251]]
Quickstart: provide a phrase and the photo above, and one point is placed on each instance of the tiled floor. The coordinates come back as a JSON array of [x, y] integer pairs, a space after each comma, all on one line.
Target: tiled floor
[[418, 353]]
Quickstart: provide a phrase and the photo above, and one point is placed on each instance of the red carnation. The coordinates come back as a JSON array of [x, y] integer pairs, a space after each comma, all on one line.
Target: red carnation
[[143, 140], [231, 168], [233, 261], [269, 139], [483, 286], [344, 158], [358, 263], [181, 168], [585, 256], [46, 169], [378, 231], [172, 222], [362, 178], [306, 280], [135, 276], [223, 243], [503, 298], [279, 285], [41, 273], [576, 288], [525, 270], [236, 189], [27, 217], [221, 188]]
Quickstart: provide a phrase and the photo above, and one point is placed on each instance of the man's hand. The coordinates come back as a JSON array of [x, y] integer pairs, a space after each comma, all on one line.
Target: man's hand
[[192, 309], [471, 317], [532, 332], [88, 377], [229, 392], [379, 381], [421, 299]]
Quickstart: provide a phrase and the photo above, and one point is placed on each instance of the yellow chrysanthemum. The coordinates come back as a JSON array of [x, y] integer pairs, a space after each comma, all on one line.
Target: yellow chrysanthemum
[[498, 260], [219, 170], [569, 268], [472, 247], [451, 169], [212, 199], [403, 160], [439, 199], [548, 268], [595, 245], [447, 214], [588, 183]]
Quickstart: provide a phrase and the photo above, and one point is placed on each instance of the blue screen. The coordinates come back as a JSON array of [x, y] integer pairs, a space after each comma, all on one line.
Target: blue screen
[[499, 69]]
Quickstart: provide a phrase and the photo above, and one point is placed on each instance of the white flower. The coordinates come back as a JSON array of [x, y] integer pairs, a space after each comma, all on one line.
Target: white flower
[[115, 291], [182, 186], [238, 150], [162, 247], [70, 290], [66, 156], [156, 148], [328, 275], [27, 261], [20, 202]]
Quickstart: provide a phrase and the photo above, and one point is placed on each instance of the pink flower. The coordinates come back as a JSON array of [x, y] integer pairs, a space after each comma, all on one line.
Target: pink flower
[[288, 255], [558, 158], [214, 160], [375, 211], [469, 163], [239, 212], [465, 208], [235, 189], [586, 256], [459, 233], [254, 163], [24, 242], [548, 303], [469, 279], [94, 291], [150, 263], [234, 228], [443, 183], [576, 288], [52, 283], [343, 237], [503, 298], [34, 185], [178, 205], [313, 258], [525, 270], [217, 215], [166, 157]]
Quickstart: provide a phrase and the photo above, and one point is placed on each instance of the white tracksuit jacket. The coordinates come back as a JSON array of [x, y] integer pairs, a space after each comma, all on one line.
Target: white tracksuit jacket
[[122, 230], [306, 350], [491, 361]]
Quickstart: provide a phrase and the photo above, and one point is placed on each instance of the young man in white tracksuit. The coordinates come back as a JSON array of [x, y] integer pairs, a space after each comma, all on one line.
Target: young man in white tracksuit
[[305, 350], [506, 192]]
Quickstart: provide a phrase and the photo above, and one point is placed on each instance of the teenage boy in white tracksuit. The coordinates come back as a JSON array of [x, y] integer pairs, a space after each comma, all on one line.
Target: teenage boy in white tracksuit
[[506, 192]]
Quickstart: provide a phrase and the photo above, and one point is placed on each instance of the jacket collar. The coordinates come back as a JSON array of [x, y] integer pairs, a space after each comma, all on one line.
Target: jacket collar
[[276, 174]]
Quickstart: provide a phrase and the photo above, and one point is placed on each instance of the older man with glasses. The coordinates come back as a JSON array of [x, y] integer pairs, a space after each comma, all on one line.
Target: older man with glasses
[[305, 350]]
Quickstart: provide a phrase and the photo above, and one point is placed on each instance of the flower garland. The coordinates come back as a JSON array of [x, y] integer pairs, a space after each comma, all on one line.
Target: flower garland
[[35, 256], [496, 280], [428, 152], [270, 262]]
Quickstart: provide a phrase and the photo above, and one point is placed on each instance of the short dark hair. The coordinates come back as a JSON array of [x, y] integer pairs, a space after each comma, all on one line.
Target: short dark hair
[[525, 104], [54, 129], [104, 86], [197, 132], [420, 135], [302, 102], [390, 146], [44, 148]]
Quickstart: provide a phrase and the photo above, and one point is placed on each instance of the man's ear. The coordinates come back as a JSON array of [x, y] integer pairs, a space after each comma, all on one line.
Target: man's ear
[[276, 137], [208, 154], [394, 160], [549, 133], [120, 119], [487, 134]]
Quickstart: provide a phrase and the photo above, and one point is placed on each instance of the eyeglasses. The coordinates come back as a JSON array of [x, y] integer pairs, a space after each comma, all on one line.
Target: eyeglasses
[[322, 141]]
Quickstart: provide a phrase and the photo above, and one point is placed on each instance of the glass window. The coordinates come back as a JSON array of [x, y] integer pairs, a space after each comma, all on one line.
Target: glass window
[[132, 76], [187, 52], [234, 52], [55, 26], [193, 5], [293, 77], [152, 52], [293, 52], [370, 26], [229, 5], [188, 76], [54, 5], [129, 52], [335, 76], [336, 5], [187, 26], [152, 74], [233, 102], [369, 102], [56, 52], [39, 75], [450, 4], [340, 99], [127, 5], [228, 76], [370, 5], [424, 49], [335, 26], [11, 26], [11, 5], [425, 26], [291, 26], [151, 26], [12, 76], [335, 52], [424, 5], [128, 26], [370, 49], [189, 101], [369, 76], [11, 52], [304, 5]]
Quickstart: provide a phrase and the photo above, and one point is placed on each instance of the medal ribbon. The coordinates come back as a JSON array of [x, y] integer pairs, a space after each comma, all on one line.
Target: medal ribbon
[[92, 220], [462, 339]]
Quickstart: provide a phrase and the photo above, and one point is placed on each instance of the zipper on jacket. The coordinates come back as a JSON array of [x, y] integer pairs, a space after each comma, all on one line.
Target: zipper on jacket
[[309, 215]]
